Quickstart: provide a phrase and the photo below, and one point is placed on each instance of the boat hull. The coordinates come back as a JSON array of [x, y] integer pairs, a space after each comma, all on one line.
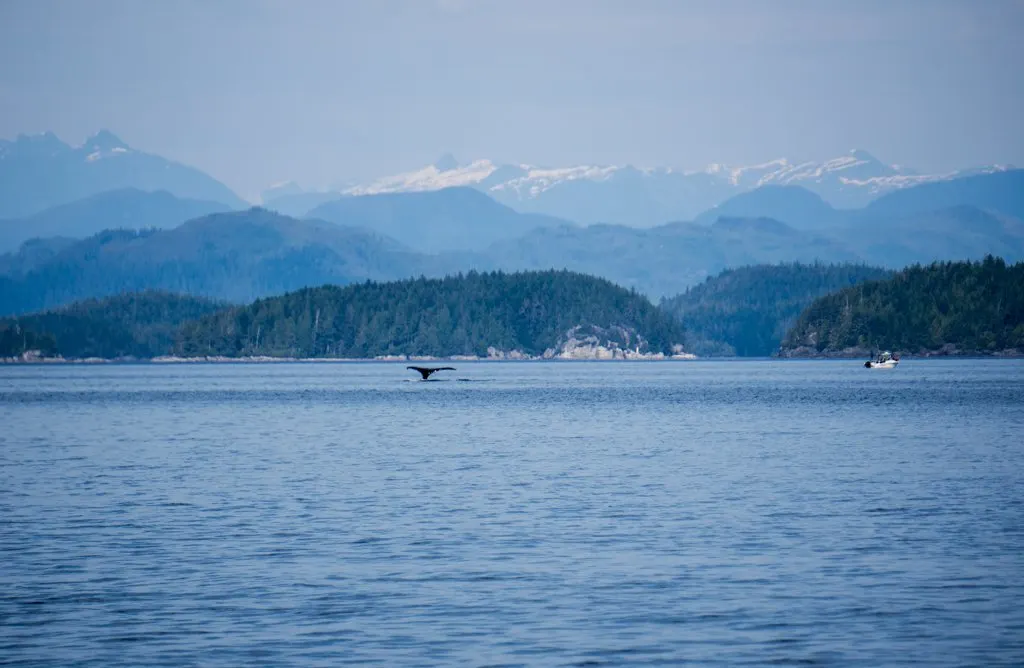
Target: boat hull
[[891, 364]]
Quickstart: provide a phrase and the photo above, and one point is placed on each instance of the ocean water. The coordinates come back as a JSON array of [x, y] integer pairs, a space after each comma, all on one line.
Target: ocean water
[[535, 514]]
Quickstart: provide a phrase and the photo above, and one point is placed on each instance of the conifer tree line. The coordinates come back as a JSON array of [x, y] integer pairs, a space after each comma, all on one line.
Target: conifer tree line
[[459, 315], [970, 307], [976, 307]]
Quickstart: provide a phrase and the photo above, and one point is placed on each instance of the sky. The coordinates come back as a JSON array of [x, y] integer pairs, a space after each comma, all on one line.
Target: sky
[[328, 91]]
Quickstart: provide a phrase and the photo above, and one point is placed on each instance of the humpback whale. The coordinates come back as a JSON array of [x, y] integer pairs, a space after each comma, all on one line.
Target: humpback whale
[[426, 371]]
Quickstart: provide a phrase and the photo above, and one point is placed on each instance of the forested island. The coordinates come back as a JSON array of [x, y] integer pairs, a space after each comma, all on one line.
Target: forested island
[[528, 314], [965, 308], [943, 308], [134, 325], [747, 311]]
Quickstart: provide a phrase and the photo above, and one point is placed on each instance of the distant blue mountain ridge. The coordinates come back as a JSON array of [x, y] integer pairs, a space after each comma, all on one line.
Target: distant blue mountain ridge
[[127, 208], [38, 172], [240, 255]]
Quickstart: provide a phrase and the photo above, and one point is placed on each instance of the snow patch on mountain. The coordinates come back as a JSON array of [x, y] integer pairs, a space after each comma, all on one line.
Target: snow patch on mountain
[[428, 178], [281, 189], [103, 144], [856, 169], [537, 180], [846, 181], [882, 184]]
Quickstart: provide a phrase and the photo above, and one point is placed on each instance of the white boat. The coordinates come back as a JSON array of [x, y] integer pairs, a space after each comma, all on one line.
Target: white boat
[[885, 360]]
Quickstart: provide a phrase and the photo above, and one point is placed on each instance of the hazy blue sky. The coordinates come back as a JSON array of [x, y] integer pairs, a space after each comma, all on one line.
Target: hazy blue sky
[[255, 91]]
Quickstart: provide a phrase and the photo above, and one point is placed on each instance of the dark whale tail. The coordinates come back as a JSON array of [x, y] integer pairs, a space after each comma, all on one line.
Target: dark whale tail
[[426, 371]]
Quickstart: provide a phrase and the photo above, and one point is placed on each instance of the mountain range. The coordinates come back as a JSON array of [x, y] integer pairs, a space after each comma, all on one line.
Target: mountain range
[[39, 172], [125, 208], [999, 192], [633, 196], [237, 256], [453, 219], [662, 260], [157, 225]]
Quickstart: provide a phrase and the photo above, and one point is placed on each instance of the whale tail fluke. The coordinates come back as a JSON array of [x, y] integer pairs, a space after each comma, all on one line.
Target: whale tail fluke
[[426, 371]]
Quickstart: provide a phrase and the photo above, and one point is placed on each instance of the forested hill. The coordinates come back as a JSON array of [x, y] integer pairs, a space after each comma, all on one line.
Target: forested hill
[[235, 256], [529, 312], [949, 307], [746, 311], [139, 325]]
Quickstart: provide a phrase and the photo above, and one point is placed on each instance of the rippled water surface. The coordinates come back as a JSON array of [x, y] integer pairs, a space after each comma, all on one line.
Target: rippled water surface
[[513, 513]]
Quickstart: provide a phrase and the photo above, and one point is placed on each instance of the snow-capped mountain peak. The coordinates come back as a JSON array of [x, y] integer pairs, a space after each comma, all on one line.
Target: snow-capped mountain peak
[[537, 179], [855, 168], [739, 175], [525, 182], [103, 144], [104, 140], [428, 178], [643, 196]]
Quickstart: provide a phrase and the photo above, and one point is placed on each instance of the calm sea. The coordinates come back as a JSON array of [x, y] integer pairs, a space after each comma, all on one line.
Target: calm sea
[[548, 514]]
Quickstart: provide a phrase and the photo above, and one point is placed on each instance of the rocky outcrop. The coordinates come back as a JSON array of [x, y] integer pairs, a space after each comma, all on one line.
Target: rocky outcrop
[[495, 354], [590, 342]]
